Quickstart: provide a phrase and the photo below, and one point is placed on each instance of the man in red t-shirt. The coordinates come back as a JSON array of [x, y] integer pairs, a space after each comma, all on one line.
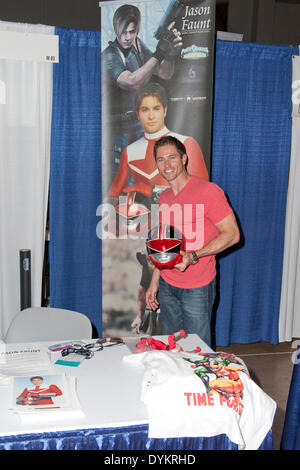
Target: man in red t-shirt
[[201, 212]]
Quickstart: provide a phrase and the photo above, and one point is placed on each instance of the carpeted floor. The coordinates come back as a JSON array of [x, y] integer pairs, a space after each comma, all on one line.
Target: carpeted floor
[[271, 367]]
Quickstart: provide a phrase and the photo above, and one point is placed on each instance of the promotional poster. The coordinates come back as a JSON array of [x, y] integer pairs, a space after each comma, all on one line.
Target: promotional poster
[[157, 79]]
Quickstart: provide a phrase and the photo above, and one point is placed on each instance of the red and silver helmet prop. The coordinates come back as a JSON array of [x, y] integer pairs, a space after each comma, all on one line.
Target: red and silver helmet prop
[[133, 212], [164, 244]]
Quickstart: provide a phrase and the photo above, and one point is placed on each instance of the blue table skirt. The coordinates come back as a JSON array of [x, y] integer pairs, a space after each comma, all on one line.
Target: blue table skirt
[[123, 438]]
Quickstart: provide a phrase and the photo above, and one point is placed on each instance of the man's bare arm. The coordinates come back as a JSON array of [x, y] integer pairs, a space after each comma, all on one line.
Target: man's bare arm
[[132, 81], [228, 236], [151, 294]]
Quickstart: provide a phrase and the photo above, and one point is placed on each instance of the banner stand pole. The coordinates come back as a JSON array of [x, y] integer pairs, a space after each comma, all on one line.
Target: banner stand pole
[[25, 278]]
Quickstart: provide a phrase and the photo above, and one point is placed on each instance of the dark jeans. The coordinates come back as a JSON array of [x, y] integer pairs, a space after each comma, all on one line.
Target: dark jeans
[[187, 309]]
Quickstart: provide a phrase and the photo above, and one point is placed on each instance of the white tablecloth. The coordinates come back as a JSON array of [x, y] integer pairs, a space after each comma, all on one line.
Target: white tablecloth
[[109, 391]]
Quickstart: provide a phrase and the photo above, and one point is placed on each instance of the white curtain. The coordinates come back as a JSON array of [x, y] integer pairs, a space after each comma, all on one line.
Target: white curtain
[[25, 124], [289, 318]]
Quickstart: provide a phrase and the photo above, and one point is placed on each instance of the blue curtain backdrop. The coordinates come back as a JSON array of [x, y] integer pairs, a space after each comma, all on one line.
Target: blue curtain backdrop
[[75, 175], [250, 161]]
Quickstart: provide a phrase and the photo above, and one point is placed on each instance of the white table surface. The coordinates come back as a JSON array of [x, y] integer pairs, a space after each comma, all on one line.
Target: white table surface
[[107, 387]]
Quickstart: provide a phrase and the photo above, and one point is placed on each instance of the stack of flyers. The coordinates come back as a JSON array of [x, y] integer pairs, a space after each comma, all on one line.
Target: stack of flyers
[[20, 360]]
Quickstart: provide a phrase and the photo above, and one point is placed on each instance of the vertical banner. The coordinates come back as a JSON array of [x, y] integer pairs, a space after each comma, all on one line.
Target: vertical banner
[[157, 79]]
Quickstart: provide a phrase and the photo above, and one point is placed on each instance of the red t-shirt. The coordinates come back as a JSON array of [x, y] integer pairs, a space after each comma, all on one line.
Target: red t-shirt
[[194, 211]]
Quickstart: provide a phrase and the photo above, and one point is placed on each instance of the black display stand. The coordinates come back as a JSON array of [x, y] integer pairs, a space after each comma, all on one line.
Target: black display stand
[[25, 279]]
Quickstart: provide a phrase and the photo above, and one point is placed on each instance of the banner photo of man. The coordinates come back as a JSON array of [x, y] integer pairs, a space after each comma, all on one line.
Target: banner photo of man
[[157, 80]]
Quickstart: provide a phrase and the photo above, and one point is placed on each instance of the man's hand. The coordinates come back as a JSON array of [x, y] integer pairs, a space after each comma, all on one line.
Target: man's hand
[[169, 45], [151, 294], [187, 259], [176, 39], [151, 298], [136, 325]]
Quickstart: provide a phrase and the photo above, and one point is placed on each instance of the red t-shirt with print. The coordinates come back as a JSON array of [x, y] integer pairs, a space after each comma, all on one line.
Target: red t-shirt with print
[[194, 211]]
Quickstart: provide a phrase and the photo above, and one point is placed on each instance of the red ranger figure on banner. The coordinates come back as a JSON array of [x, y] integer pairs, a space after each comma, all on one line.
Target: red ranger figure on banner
[[137, 159], [38, 394]]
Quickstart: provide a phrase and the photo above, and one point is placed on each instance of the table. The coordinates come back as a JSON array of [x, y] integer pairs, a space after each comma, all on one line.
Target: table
[[115, 418]]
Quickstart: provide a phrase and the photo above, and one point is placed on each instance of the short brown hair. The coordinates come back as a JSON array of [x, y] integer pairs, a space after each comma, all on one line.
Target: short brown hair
[[151, 89], [169, 140]]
